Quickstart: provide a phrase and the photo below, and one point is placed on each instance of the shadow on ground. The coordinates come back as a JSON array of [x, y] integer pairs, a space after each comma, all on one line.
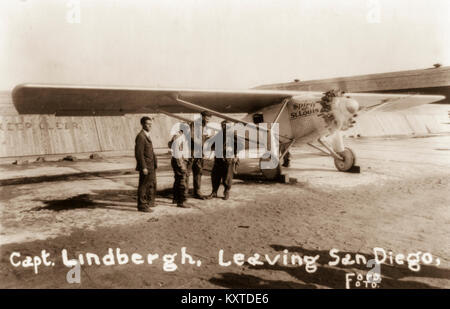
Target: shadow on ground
[[393, 276], [296, 169], [242, 281], [124, 200]]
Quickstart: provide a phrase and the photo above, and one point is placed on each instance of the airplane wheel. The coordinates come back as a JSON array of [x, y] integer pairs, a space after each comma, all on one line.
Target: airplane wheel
[[348, 162], [270, 173]]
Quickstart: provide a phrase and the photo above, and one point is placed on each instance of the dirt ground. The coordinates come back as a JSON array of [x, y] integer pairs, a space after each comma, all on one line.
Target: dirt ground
[[399, 202]]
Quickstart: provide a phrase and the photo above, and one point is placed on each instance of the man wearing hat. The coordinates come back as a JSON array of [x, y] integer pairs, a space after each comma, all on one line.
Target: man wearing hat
[[224, 161], [196, 161]]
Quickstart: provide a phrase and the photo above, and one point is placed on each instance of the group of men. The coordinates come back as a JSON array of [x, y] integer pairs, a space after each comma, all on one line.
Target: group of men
[[182, 162]]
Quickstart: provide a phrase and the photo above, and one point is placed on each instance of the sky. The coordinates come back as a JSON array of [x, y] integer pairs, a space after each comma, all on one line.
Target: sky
[[216, 44]]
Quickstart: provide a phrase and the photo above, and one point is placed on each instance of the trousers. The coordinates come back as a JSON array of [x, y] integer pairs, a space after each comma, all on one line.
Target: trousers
[[222, 172], [196, 165], [180, 174], [146, 193]]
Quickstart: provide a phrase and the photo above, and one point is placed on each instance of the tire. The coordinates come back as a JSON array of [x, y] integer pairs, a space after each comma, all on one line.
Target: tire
[[348, 162], [270, 173]]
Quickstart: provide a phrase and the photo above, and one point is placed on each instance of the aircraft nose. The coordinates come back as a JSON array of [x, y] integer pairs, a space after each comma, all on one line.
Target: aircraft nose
[[352, 106]]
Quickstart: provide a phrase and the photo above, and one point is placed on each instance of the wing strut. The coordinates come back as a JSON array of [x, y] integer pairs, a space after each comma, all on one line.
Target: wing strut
[[174, 116], [187, 120], [212, 112], [232, 119], [285, 102], [287, 149]]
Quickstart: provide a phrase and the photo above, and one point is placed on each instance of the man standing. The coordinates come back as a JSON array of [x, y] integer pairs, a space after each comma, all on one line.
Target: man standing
[[196, 161], [146, 164], [179, 162], [224, 161]]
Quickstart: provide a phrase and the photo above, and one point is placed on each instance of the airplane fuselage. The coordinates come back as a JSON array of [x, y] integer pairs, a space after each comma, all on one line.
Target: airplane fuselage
[[302, 118]]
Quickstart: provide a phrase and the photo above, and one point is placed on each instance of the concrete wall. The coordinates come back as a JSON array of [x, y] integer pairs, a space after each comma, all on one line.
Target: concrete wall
[[391, 124], [44, 134], [421, 120]]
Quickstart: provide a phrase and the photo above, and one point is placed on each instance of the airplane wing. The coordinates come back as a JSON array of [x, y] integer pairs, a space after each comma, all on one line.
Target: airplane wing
[[69, 100], [64, 100], [391, 102]]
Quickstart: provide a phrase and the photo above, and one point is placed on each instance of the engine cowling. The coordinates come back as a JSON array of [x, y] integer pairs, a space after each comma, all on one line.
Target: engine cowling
[[338, 111]]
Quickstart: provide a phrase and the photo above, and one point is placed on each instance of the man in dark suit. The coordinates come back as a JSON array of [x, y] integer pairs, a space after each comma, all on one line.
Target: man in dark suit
[[146, 165]]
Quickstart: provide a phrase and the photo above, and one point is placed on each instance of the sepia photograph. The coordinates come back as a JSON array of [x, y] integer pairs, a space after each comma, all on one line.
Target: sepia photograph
[[199, 145]]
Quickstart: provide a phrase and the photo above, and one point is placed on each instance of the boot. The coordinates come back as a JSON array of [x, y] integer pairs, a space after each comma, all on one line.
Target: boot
[[199, 196], [183, 205], [226, 195], [145, 209], [212, 195]]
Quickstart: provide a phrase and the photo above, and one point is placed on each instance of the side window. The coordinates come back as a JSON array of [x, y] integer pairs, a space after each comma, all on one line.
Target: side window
[[258, 118]]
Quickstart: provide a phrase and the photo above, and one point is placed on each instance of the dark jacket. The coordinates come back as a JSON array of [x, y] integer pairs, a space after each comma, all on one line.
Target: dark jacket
[[237, 145], [143, 151]]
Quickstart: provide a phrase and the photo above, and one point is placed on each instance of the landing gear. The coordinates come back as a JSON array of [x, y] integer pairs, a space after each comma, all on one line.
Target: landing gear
[[348, 160], [343, 160], [287, 160], [271, 167], [270, 173]]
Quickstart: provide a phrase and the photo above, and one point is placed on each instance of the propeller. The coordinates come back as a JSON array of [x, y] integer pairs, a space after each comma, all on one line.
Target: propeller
[[338, 111]]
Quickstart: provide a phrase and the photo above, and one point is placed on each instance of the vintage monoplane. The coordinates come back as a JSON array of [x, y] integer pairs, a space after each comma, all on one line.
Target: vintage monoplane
[[303, 116]]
